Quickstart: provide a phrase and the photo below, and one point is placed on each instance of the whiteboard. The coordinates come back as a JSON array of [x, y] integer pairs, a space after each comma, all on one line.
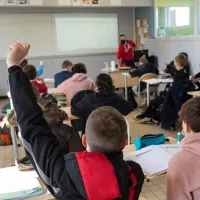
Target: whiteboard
[[35, 29], [60, 34], [85, 33]]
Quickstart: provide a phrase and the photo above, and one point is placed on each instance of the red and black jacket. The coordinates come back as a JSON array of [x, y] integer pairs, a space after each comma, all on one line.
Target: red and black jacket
[[73, 176]]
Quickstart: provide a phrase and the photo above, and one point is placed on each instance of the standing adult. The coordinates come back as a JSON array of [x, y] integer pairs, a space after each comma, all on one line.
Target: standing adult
[[125, 53]]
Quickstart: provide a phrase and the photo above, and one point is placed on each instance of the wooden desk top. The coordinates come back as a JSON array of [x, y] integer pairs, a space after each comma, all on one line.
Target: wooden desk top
[[53, 91], [195, 93], [130, 148], [68, 111]]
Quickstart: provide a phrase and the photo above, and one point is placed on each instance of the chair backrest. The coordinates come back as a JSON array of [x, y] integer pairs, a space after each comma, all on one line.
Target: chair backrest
[[147, 77]]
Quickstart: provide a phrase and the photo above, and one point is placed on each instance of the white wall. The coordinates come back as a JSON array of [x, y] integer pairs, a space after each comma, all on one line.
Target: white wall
[[167, 49]]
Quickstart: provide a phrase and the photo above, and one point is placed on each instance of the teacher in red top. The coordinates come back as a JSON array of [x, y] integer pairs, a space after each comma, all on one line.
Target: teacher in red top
[[125, 53]]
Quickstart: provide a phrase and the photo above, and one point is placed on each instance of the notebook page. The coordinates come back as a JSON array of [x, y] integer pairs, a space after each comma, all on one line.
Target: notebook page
[[153, 159], [171, 148], [14, 183]]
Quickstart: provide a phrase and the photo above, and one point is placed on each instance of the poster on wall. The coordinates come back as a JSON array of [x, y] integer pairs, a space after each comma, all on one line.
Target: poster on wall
[[86, 2], [35, 2], [2, 2], [11, 2], [22, 2], [76, 2], [95, 2]]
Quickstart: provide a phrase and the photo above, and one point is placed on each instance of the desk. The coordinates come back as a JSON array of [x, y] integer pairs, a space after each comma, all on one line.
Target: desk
[[130, 148], [155, 82], [118, 78], [68, 111], [194, 94], [53, 91], [49, 81]]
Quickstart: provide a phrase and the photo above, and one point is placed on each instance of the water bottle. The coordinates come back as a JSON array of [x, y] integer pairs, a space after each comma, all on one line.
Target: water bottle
[[162, 33], [106, 65], [178, 138]]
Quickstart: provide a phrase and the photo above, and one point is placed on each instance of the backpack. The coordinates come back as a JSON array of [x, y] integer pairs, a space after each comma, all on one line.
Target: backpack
[[5, 138]]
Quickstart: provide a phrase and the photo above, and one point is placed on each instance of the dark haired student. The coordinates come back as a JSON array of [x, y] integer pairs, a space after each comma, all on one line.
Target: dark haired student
[[104, 96], [100, 173], [125, 53]]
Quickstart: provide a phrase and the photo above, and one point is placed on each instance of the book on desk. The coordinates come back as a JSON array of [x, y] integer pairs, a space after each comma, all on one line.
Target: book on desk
[[154, 159], [17, 185]]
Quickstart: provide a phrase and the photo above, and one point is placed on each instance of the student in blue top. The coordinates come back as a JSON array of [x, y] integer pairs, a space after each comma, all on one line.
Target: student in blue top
[[65, 74]]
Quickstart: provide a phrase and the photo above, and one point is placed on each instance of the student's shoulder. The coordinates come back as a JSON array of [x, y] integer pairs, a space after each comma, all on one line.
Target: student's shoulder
[[57, 74], [179, 159]]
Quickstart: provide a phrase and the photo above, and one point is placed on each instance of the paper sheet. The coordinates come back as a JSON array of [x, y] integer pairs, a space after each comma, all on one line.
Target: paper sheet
[[11, 2], [15, 183], [146, 26], [172, 148], [138, 24], [157, 80], [85, 2], [35, 2], [64, 2], [115, 2], [153, 159], [76, 2], [95, 2], [139, 31]]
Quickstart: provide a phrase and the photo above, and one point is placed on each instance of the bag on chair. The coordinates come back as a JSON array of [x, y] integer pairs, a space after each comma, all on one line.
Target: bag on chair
[[5, 138], [148, 140]]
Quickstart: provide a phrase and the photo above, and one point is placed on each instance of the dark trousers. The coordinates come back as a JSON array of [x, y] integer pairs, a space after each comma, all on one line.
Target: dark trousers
[[151, 110]]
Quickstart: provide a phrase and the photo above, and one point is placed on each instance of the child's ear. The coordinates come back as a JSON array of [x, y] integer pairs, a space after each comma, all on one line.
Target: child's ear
[[123, 146], [84, 140]]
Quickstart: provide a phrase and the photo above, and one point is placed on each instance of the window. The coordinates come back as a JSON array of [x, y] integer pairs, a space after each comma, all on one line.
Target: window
[[177, 16]]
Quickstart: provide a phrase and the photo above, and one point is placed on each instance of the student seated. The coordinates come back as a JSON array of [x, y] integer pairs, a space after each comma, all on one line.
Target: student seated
[[65, 74], [150, 112], [67, 137], [150, 65], [31, 72], [183, 171], [98, 173], [79, 81], [171, 69], [104, 96]]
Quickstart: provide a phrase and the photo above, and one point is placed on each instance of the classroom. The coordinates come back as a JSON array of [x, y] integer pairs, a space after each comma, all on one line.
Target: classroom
[[100, 99]]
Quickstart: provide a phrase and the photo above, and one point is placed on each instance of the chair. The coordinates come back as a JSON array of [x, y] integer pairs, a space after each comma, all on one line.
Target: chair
[[128, 131], [142, 79]]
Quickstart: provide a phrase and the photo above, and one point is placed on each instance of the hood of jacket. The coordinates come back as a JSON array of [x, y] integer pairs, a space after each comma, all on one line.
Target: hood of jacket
[[191, 143], [78, 77]]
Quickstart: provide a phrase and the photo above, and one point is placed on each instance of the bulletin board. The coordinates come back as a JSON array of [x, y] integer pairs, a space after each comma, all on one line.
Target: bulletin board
[[142, 32]]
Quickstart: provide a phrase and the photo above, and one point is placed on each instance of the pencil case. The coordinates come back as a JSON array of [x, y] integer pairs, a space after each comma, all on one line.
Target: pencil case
[[148, 140]]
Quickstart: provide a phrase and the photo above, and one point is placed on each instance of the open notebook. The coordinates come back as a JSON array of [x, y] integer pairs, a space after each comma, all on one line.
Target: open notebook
[[154, 159], [15, 184]]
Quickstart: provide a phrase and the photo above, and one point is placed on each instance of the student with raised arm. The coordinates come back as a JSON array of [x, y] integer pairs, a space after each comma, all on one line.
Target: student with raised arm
[[100, 173]]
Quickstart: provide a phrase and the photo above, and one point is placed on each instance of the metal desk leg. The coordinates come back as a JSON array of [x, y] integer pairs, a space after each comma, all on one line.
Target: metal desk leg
[[148, 95], [126, 88], [14, 143]]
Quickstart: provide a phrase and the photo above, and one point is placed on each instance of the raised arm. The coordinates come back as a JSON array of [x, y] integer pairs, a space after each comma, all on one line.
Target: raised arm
[[41, 146]]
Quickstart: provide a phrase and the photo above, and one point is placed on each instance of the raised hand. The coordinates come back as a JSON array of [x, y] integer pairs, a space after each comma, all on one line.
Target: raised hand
[[17, 53]]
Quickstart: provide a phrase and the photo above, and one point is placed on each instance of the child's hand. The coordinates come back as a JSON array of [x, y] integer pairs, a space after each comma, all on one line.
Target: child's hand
[[17, 53]]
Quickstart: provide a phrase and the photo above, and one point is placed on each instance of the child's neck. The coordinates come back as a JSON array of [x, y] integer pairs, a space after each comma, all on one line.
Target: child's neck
[[179, 67]]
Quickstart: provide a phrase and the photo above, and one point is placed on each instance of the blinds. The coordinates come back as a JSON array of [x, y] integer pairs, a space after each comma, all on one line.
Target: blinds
[[175, 3]]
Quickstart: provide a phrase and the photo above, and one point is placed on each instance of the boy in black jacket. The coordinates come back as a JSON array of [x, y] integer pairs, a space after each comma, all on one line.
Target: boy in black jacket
[[98, 174]]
